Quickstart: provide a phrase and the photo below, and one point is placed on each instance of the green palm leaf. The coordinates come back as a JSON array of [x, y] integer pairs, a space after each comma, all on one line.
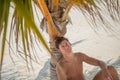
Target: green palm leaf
[[23, 16], [27, 16], [4, 18]]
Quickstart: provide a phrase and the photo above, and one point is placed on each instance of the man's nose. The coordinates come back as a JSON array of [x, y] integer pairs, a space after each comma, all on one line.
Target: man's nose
[[66, 46]]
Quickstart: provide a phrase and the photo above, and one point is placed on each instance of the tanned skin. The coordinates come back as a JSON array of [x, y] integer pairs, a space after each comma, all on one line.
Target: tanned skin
[[70, 66]]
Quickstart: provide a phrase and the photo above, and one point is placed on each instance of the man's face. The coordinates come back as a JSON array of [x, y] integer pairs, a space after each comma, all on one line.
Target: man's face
[[65, 47]]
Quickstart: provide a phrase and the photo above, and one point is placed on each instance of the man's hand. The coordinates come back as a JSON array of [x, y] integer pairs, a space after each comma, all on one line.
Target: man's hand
[[107, 75]]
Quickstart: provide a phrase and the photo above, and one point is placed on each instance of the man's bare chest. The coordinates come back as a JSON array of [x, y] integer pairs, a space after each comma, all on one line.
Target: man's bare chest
[[74, 71], [73, 68]]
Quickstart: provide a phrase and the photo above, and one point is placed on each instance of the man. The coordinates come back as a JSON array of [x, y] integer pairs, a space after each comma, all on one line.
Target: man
[[70, 66]]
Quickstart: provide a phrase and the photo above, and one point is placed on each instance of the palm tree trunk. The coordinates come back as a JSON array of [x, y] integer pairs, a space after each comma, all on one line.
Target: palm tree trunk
[[54, 6], [51, 27]]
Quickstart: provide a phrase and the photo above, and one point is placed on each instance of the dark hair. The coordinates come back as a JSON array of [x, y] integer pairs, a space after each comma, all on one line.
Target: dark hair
[[58, 40]]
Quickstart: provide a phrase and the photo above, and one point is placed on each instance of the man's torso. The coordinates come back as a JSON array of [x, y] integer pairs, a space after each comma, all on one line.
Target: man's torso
[[73, 69]]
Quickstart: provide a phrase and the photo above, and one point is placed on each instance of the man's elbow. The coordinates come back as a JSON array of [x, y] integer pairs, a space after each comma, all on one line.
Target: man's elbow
[[102, 65]]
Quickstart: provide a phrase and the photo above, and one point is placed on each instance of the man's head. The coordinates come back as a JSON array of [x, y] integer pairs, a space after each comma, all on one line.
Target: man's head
[[63, 45], [59, 40]]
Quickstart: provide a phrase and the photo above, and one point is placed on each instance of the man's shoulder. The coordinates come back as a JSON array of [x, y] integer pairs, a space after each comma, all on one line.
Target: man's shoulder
[[79, 53], [61, 61]]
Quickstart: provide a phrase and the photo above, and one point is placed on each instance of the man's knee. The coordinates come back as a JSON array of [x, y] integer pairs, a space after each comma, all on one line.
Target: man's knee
[[111, 70]]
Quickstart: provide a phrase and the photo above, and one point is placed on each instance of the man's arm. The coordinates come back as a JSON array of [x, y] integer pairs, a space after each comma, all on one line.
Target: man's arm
[[92, 61], [97, 62], [60, 73]]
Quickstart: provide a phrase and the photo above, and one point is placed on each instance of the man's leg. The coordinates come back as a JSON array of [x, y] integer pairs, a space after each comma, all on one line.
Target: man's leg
[[112, 71]]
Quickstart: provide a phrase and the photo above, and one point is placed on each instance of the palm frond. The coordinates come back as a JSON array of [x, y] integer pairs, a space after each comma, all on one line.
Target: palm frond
[[51, 29], [4, 25], [56, 18], [22, 23], [54, 6], [65, 15], [96, 10]]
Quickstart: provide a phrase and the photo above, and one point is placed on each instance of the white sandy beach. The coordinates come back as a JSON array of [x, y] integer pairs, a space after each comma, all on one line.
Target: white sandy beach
[[102, 45]]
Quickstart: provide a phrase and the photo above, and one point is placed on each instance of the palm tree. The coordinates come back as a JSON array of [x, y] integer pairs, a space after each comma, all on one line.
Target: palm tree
[[55, 18]]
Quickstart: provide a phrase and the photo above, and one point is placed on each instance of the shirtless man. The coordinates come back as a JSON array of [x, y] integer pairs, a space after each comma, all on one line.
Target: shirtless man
[[70, 66]]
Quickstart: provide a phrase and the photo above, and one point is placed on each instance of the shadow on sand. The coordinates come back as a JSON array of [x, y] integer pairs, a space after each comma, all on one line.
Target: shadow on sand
[[77, 42], [44, 73]]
